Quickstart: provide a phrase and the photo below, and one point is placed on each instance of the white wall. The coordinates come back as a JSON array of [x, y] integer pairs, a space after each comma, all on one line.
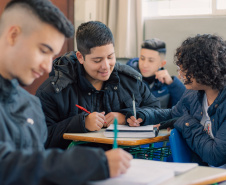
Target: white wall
[[85, 10], [174, 31]]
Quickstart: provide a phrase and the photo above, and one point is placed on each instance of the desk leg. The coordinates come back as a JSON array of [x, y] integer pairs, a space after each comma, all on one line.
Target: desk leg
[[74, 143], [163, 145]]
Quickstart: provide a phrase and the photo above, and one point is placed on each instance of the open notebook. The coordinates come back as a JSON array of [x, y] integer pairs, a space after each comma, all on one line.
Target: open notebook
[[148, 172], [129, 132]]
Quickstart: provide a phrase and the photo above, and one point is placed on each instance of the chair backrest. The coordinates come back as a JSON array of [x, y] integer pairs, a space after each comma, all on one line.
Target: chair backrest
[[179, 148]]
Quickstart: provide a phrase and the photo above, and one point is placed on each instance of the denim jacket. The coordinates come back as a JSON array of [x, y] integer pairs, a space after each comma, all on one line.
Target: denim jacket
[[23, 159], [189, 111]]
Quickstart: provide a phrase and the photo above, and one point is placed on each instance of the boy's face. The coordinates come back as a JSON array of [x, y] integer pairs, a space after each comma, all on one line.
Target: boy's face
[[99, 64], [149, 62], [31, 55]]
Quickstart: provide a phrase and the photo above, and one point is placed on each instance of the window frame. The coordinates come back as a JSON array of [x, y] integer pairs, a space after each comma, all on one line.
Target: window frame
[[215, 12]]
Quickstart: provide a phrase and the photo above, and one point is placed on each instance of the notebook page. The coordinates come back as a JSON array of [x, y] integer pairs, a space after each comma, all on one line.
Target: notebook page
[[140, 173], [178, 168], [148, 172]]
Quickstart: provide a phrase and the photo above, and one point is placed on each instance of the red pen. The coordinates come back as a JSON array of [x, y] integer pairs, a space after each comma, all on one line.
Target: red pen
[[82, 108]]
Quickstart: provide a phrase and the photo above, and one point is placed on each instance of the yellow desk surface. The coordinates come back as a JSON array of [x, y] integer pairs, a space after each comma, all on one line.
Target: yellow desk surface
[[198, 176], [98, 137]]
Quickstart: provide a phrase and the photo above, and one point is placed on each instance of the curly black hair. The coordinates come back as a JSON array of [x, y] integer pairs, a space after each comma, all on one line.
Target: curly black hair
[[203, 58]]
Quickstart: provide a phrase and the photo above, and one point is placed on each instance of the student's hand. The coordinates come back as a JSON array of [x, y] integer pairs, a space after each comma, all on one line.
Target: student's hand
[[158, 125], [133, 122], [164, 77], [118, 161], [94, 121], [109, 118], [168, 124]]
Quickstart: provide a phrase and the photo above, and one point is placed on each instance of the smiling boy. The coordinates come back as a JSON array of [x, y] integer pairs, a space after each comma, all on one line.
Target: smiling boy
[[91, 78]]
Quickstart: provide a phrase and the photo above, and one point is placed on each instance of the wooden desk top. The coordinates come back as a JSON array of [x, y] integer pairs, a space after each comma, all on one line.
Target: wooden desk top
[[197, 176], [98, 137]]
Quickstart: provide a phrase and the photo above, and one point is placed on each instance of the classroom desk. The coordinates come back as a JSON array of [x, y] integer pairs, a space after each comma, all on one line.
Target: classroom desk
[[197, 176], [131, 145], [98, 137]]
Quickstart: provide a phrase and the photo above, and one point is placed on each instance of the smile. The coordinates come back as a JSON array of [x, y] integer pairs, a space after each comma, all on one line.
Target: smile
[[144, 71], [104, 73], [36, 74]]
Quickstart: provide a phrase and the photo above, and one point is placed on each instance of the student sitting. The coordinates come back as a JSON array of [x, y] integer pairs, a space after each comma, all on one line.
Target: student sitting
[[32, 32], [201, 62], [151, 64], [91, 78]]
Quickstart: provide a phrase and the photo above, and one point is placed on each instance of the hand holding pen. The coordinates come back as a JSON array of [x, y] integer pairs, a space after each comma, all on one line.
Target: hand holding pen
[[94, 121], [133, 118]]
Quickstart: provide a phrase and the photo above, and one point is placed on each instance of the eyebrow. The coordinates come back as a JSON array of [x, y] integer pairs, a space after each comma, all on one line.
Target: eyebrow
[[102, 57], [147, 57], [51, 49]]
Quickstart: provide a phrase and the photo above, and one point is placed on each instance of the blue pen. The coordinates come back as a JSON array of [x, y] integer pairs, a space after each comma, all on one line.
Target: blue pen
[[115, 144]]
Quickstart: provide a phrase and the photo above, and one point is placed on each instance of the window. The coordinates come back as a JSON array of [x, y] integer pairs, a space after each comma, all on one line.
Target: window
[[221, 4], [163, 8]]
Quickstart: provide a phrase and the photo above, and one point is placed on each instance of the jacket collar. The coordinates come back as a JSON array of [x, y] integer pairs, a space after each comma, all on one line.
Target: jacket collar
[[7, 88], [220, 98], [68, 70]]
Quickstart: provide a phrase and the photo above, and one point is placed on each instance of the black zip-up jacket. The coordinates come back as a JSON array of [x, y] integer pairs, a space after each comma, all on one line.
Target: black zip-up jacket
[[23, 158], [68, 86]]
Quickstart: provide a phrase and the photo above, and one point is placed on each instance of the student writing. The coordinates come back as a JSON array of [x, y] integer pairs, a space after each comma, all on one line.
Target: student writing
[[91, 78], [201, 62], [32, 32]]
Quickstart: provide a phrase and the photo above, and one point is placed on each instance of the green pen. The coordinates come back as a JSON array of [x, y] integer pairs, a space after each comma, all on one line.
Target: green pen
[[115, 144]]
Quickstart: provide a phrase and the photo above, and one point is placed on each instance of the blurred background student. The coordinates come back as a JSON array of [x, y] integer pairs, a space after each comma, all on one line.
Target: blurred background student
[[168, 89]]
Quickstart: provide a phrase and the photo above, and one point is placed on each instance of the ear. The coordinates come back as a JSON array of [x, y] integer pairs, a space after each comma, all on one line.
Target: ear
[[163, 63], [12, 35], [80, 57]]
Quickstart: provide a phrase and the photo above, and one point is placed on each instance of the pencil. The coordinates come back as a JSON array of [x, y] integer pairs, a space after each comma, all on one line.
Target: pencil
[[115, 144], [134, 107]]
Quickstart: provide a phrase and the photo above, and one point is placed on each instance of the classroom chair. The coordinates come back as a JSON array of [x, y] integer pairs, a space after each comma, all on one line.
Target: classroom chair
[[179, 148]]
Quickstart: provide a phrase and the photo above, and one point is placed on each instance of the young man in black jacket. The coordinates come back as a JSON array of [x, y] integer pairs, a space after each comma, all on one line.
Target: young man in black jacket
[[91, 78], [31, 33]]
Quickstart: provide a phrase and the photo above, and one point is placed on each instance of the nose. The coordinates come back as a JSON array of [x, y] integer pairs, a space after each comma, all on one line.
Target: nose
[[46, 65], [105, 64], [144, 63], [181, 76]]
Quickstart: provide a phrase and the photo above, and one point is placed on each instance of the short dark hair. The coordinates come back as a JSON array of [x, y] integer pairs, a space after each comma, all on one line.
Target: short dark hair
[[203, 58], [46, 12], [92, 34], [154, 44]]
